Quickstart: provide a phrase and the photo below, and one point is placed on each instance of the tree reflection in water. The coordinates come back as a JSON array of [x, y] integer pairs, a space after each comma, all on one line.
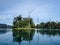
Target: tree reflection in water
[[2, 31], [22, 35], [49, 32]]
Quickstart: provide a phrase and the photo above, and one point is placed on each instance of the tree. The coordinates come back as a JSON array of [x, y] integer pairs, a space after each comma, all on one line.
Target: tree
[[16, 21], [20, 22], [49, 25], [42, 25]]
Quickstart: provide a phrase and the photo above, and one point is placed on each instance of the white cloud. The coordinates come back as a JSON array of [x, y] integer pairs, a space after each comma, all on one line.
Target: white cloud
[[2, 17], [43, 10]]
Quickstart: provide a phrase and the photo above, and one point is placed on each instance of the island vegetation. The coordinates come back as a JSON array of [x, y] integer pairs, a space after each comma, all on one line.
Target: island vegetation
[[20, 22], [49, 25], [27, 22]]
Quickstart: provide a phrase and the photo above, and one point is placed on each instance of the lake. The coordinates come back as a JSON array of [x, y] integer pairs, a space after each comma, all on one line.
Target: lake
[[29, 37]]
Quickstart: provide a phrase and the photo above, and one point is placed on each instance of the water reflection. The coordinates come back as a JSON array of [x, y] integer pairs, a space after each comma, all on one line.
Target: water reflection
[[20, 35], [30, 37], [49, 32], [2, 31]]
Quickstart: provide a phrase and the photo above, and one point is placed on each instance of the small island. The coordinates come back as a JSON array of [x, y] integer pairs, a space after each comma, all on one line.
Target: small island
[[23, 23], [28, 23]]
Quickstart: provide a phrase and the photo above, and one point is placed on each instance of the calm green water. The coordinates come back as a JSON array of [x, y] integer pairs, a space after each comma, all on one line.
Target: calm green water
[[29, 37]]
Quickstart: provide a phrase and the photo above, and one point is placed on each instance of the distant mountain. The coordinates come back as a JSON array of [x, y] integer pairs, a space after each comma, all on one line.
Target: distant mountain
[[5, 26]]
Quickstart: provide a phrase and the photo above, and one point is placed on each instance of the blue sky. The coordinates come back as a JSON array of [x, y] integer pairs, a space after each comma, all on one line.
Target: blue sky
[[43, 9]]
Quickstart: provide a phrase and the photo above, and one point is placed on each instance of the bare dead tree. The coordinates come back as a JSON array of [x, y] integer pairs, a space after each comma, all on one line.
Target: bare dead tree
[[30, 12]]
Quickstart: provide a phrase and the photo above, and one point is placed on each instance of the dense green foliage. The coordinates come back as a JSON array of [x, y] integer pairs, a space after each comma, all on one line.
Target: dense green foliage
[[20, 22], [49, 25]]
